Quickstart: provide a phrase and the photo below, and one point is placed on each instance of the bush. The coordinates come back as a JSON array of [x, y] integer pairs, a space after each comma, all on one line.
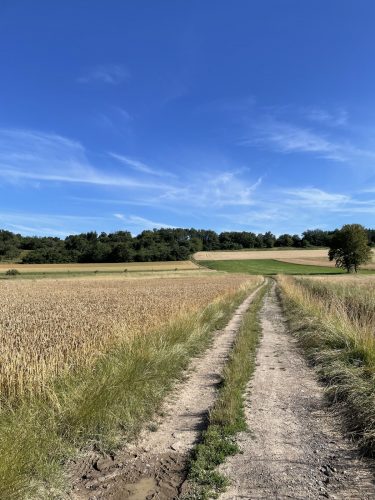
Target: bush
[[12, 272]]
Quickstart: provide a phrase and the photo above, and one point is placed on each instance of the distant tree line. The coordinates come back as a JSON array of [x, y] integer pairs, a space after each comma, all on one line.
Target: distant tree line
[[148, 246]]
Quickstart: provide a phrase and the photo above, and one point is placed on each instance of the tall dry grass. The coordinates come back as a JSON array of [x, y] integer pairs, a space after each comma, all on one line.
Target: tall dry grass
[[334, 320]]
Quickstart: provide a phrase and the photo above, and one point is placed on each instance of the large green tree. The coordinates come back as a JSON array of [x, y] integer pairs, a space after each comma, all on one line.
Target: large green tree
[[349, 247]]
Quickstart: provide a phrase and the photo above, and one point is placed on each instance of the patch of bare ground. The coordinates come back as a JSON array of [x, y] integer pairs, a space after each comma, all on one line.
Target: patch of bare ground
[[295, 447], [155, 466]]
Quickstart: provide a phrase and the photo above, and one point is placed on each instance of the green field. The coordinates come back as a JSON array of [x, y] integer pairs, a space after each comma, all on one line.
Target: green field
[[267, 266]]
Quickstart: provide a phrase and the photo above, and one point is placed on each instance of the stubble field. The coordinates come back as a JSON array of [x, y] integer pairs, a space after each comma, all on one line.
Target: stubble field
[[255, 254]]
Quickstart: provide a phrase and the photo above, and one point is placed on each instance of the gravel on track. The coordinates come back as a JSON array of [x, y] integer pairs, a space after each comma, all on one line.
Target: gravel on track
[[295, 447]]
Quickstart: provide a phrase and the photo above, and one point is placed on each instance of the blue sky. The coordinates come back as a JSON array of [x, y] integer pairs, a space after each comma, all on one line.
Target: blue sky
[[245, 115]]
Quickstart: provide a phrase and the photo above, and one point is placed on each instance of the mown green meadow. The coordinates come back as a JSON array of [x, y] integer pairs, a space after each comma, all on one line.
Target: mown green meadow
[[267, 267]]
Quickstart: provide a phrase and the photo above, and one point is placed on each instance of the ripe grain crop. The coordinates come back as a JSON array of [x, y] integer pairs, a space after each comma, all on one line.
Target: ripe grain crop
[[87, 362], [52, 327], [99, 267]]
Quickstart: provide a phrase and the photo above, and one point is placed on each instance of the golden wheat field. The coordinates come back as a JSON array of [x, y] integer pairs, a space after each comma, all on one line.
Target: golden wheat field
[[49, 327]]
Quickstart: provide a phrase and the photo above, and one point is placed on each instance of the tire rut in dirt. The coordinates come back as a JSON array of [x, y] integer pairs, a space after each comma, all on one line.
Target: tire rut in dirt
[[155, 466]]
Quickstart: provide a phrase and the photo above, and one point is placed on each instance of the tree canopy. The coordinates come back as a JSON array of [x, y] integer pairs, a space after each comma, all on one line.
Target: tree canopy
[[151, 245], [350, 247]]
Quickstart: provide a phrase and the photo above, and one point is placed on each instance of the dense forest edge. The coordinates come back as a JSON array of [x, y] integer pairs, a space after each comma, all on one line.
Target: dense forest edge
[[164, 244]]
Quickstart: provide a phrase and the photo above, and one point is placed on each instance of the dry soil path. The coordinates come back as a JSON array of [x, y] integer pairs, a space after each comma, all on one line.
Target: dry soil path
[[295, 448], [155, 466]]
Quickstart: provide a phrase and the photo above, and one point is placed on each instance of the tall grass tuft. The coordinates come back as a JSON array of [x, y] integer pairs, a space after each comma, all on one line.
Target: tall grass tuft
[[335, 322]]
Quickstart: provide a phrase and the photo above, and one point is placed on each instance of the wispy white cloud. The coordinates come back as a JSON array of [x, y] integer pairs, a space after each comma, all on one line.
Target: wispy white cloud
[[31, 155], [112, 74], [336, 118], [63, 225], [27, 155], [119, 216], [140, 166], [211, 188], [37, 230], [287, 138], [295, 210], [318, 198], [123, 113], [214, 189], [146, 223], [48, 224], [140, 223]]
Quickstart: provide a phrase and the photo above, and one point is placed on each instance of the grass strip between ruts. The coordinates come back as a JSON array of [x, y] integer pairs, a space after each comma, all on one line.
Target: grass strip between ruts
[[227, 417]]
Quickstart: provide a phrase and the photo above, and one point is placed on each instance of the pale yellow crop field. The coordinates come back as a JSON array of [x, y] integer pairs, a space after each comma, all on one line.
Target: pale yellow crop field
[[322, 261], [50, 327], [111, 267], [309, 257], [262, 254]]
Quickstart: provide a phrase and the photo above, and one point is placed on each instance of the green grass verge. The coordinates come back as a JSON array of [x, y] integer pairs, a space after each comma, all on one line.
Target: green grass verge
[[102, 407], [227, 417], [267, 267], [330, 334]]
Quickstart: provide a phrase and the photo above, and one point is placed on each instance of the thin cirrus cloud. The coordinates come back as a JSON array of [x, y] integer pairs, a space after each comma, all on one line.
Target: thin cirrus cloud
[[281, 208], [141, 222], [33, 155], [314, 197], [317, 199], [27, 155], [336, 118], [61, 225], [140, 166], [112, 74], [211, 190], [285, 137], [52, 225], [219, 190]]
